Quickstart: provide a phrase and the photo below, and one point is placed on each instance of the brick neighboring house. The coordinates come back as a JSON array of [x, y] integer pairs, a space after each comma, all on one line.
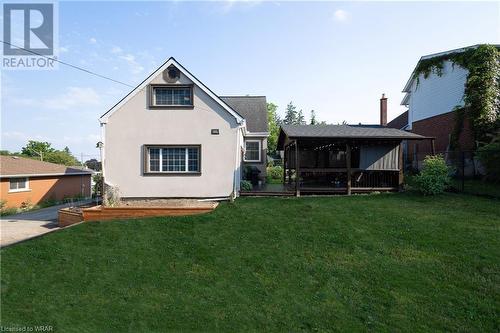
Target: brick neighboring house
[[431, 102], [24, 180]]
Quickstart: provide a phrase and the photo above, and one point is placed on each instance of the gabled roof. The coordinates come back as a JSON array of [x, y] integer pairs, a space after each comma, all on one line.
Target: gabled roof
[[15, 166], [166, 64], [400, 121], [252, 108], [344, 132]]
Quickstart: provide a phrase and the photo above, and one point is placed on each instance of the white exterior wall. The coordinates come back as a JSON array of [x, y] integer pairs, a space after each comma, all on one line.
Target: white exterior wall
[[437, 94], [134, 125]]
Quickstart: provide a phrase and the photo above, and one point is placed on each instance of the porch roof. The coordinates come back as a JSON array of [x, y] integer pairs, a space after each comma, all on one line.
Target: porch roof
[[344, 132]]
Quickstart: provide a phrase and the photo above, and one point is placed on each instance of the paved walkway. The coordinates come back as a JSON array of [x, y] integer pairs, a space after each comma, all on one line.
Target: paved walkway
[[23, 226]]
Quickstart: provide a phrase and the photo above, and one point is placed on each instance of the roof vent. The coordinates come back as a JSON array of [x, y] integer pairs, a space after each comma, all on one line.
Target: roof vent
[[172, 74]]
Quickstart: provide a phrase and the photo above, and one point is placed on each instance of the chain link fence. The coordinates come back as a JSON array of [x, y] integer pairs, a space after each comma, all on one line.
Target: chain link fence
[[472, 172]]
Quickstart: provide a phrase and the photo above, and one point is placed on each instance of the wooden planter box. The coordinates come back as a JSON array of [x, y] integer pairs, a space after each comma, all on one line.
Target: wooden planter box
[[67, 217], [100, 213]]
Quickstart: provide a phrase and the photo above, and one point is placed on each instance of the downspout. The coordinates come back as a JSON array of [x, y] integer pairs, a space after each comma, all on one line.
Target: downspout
[[102, 151], [237, 164]]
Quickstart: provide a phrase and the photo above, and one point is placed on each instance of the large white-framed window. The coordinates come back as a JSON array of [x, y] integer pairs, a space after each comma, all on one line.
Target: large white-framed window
[[171, 96], [252, 151], [173, 159], [19, 184]]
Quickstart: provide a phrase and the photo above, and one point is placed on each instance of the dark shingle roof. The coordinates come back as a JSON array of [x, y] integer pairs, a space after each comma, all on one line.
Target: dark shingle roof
[[252, 108], [16, 166], [400, 121], [347, 131]]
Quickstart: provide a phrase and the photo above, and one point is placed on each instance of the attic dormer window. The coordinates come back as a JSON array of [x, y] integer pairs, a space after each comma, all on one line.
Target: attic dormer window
[[171, 96]]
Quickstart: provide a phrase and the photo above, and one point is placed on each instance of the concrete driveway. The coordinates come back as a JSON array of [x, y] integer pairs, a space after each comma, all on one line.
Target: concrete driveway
[[23, 226]]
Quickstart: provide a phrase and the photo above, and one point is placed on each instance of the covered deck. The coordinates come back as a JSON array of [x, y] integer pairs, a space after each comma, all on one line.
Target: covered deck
[[342, 159]]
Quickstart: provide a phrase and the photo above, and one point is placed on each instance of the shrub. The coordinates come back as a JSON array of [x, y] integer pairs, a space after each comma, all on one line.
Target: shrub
[[275, 172], [48, 202], [26, 205], [489, 156], [97, 189], [246, 185], [4, 210], [434, 177], [112, 196]]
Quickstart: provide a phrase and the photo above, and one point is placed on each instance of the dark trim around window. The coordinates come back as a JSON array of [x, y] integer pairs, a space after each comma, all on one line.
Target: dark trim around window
[[145, 161], [151, 96]]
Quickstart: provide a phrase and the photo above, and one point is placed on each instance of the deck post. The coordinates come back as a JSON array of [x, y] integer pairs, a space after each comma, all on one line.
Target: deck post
[[284, 166], [348, 165], [433, 147], [289, 168], [401, 169], [297, 169]]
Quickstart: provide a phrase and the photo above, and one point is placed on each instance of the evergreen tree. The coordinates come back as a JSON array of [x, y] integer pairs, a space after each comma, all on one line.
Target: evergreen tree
[[290, 114], [313, 118], [300, 118]]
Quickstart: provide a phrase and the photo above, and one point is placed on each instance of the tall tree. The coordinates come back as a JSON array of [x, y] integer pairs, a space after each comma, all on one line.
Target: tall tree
[[313, 118], [300, 118], [37, 149], [274, 123], [290, 114]]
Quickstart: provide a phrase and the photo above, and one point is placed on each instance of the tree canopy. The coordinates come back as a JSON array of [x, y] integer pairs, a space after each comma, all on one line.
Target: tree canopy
[[274, 123], [45, 152], [93, 164]]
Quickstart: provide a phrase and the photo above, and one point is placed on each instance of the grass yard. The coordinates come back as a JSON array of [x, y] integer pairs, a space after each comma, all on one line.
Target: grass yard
[[395, 262]]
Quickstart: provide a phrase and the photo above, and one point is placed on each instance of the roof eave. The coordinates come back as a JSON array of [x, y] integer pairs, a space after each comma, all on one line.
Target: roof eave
[[363, 137], [171, 61], [47, 174]]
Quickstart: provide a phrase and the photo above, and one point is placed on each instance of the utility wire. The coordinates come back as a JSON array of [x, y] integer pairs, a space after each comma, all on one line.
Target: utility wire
[[69, 65]]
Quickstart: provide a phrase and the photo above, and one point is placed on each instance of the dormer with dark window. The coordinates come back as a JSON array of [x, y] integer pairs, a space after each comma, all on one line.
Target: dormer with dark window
[[172, 94]]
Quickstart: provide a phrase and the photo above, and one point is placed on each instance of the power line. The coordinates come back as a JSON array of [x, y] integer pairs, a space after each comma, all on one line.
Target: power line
[[69, 65]]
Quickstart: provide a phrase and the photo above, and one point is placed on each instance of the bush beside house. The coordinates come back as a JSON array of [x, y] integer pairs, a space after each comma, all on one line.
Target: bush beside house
[[434, 177]]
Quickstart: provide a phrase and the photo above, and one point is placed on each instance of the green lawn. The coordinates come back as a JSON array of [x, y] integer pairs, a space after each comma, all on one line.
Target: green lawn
[[395, 262]]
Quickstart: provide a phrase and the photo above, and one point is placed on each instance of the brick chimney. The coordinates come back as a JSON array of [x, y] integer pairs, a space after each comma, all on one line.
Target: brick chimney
[[383, 110]]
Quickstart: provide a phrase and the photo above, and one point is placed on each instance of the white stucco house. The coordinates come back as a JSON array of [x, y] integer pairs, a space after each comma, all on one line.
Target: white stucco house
[[173, 137]]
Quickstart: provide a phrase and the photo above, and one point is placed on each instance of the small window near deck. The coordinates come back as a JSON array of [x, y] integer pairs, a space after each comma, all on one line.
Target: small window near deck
[[173, 159], [18, 184], [252, 151], [172, 96]]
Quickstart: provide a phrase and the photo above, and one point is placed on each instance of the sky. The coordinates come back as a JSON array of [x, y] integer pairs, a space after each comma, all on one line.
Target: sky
[[336, 58]]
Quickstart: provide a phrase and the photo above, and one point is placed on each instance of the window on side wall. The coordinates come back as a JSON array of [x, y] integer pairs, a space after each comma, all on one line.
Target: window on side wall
[[18, 184], [252, 151], [173, 159], [171, 96]]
